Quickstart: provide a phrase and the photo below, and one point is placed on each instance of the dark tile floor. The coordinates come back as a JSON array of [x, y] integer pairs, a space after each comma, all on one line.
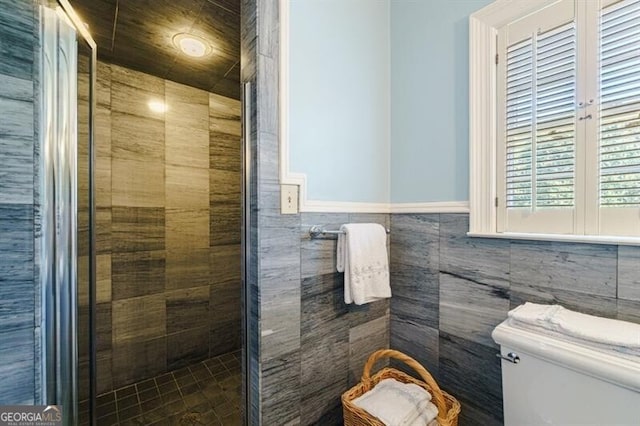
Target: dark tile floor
[[207, 393]]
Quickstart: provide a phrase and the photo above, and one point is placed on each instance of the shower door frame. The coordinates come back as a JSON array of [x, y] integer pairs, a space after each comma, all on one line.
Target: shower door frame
[[58, 242]]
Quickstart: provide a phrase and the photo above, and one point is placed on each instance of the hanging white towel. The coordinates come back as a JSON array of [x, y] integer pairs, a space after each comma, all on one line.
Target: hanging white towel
[[362, 256]]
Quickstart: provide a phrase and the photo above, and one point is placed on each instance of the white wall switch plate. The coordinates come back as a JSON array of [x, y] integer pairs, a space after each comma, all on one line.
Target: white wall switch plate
[[289, 199]]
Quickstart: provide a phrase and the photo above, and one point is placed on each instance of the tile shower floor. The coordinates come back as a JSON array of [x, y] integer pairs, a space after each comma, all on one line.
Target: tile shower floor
[[207, 393]]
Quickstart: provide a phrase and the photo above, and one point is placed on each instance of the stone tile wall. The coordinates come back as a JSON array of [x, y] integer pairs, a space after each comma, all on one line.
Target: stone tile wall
[[305, 345], [18, 203], [450, 291], [168, 226]]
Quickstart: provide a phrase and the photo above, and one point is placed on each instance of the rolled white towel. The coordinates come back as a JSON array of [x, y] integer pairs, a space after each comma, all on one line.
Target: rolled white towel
[[398, 404]]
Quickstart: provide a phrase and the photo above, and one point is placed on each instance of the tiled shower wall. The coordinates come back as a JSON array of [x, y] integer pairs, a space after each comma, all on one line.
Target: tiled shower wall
[[18, 202], [450, 291], [168, 226]]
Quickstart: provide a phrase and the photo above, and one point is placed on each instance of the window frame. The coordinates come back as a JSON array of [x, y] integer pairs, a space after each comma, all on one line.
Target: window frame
[[485, 215]]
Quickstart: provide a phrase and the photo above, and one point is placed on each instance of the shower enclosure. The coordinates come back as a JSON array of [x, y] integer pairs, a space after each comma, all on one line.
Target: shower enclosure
[[142, 183]]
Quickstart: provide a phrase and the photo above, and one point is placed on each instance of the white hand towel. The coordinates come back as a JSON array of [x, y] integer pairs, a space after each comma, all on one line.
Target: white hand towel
[[398, 404], [362, 256]]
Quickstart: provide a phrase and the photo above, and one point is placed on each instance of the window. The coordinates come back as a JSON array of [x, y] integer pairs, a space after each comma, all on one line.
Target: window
[[563, 156]]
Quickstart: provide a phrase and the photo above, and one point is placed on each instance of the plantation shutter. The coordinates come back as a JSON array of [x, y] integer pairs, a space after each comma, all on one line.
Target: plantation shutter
[[619, 125], [538, 129]]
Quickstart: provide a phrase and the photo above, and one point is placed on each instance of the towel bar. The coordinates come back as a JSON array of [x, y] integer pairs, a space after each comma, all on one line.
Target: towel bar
[[316, 231]]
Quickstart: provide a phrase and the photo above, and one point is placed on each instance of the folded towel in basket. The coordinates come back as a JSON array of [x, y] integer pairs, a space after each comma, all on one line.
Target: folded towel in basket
[[399, 404]]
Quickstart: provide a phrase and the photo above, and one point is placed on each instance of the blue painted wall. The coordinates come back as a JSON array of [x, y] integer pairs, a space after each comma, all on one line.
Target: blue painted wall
[[339, 85], [429, 99]]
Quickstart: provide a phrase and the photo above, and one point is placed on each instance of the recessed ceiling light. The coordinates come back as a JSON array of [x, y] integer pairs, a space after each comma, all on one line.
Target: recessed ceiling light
[[157, 106], [191, 45]]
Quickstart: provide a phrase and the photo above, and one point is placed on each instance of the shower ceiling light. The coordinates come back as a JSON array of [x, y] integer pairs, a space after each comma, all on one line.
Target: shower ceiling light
[[191, 45]]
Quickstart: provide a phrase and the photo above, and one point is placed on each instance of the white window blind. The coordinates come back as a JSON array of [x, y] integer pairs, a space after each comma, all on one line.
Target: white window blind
[[620, 105], [519, 131], [618, 113], [555, 117], [538, 128]]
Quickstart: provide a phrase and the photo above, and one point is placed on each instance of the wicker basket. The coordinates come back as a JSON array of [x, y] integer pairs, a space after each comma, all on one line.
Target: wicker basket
[[448, 406]]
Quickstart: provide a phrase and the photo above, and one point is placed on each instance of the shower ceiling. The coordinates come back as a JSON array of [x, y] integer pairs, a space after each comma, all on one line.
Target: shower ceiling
[[139, 34]]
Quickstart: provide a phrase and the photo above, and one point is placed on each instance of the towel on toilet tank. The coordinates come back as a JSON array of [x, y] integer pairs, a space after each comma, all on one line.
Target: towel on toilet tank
[[362, 256], [600, 333]]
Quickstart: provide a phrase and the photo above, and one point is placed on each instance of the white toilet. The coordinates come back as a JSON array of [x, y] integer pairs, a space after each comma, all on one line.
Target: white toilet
[[546, 381]]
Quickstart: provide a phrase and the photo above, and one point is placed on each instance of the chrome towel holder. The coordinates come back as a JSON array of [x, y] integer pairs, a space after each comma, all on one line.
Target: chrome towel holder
[[317, 231]]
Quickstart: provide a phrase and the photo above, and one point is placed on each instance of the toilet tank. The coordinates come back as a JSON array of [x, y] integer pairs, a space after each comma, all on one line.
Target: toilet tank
[[548, 381]]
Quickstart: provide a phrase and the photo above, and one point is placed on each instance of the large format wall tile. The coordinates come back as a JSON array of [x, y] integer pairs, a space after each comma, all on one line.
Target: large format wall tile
[[415, 294], [139, 318], [225, 263], [187, 347], [415, 240], [471, 310], [479, 259], [224, 115], [187, 268], [224, 301], [418, 341], [187, 108], [280, 292], [581, 268], [17, 32], [16, 140], [188, 308], [471, 372], [137, 183], [103, 156], [186, 229], [137, 229], [137, 360], [322, 385], [178, 137], [280, 390], [188, 188], [364, 340], [318, 255], [629, 273], [131, 92], [17, 292], [137, 273], [17, 368]]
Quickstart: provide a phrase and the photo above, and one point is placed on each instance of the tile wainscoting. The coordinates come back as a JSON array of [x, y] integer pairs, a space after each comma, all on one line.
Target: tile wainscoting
[[450, 291]]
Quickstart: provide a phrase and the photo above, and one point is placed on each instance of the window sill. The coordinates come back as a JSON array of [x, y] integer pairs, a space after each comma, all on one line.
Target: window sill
[[589, 239]]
